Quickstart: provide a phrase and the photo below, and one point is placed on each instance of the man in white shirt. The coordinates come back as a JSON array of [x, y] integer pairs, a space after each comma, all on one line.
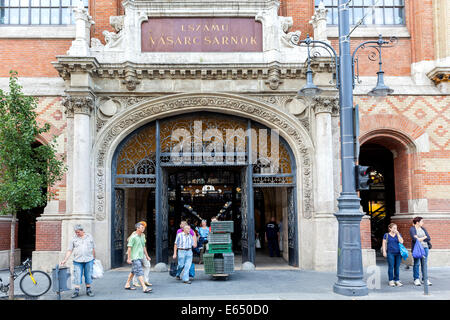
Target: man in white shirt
[[83, 248]]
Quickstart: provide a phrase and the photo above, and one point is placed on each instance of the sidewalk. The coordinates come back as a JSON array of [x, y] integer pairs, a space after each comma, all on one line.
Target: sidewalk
[[284, 284]]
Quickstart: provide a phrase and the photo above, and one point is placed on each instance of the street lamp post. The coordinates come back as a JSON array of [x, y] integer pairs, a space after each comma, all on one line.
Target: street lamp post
[[349, 261]]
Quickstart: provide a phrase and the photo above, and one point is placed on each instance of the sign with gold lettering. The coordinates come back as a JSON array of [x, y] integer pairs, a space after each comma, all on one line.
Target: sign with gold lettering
[[201, 35]]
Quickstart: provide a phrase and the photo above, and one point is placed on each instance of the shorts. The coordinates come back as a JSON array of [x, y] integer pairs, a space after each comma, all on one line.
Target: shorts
[[80, 268], [137, 267]]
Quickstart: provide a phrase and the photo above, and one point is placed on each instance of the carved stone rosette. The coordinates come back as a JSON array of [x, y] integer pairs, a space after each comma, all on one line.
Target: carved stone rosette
[[78, 105]]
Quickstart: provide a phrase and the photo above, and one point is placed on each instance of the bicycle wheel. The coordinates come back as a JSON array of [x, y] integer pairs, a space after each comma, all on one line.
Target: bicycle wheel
[[38, 287]]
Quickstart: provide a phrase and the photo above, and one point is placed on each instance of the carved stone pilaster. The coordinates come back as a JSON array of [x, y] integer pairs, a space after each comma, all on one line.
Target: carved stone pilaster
[[78, 105], [83, 22], [319, 22]]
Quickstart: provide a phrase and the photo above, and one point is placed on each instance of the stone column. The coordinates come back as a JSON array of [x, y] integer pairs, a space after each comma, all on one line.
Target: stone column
[[324, 221], [81, 106], [324, 156]]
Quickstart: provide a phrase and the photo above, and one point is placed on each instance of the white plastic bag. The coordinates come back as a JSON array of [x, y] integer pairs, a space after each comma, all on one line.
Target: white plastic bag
[[97, 270], [258, 244]]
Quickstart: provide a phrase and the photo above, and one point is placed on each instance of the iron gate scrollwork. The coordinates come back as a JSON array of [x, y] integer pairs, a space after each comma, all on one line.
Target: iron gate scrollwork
[[244, 218], [118, 228], [292, 228], [165, 216]]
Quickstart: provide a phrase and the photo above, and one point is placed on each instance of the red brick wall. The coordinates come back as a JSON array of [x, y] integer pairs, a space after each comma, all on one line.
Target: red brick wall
[[48, 236], [439, 231], [31, 57], [366, 242], [5, 235], [101, 10]]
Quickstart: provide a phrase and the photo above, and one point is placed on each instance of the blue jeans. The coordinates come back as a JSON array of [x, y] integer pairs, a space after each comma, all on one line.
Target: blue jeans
[[416, 265], [184, 262], [80, 268], [394, 261]]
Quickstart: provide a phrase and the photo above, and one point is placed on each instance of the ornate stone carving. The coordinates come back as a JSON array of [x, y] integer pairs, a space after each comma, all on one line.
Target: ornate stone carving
[[100, 186], [78, 104], [217, 103], [113, 40], [319, 22], [274, 79], [130, 80], [324, 104], [83, 21], [288, 39]]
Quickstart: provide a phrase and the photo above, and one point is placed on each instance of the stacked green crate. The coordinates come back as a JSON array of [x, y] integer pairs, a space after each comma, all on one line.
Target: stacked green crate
[[220, 256]]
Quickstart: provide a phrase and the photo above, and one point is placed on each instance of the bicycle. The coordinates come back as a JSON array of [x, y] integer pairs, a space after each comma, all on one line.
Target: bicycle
[[34, 283]]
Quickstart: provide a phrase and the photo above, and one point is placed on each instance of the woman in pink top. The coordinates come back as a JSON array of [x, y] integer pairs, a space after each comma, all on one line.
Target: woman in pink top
[[182, 224]]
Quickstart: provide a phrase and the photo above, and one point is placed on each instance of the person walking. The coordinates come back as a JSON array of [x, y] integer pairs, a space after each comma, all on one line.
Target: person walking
[[83, 248], [391, 251], [419, 233], [183, 246], [203, 232], [135, 256], [146, 264], [272, 237]]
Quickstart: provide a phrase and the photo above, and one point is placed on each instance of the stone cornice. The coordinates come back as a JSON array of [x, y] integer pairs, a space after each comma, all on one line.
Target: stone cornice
[[67, 65], [439, 74], [132, 73]]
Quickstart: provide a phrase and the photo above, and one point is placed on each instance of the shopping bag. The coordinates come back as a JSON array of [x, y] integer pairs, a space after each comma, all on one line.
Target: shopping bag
[[173, 268], [403, 251], [97, 270], [418, 251], [258, 244]]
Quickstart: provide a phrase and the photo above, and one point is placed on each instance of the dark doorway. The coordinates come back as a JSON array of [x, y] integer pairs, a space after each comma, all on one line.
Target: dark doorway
[[27, 231], [379, 200], [27, 225]]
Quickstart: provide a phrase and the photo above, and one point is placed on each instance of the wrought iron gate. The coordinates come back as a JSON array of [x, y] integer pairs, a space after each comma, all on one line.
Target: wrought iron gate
[[117, 245]]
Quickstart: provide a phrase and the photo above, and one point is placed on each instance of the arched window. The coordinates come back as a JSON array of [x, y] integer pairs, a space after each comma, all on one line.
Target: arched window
[[376, 12], [38, 12]]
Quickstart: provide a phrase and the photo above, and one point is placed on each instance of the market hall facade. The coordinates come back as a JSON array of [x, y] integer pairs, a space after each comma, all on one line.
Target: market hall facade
[[178, 110]]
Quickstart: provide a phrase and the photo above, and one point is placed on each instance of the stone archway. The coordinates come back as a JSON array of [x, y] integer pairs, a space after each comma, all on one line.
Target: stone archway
[[141, 113]]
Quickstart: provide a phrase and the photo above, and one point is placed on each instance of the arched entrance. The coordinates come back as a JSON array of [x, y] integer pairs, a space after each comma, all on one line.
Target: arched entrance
[[205, 163], [379, 201]]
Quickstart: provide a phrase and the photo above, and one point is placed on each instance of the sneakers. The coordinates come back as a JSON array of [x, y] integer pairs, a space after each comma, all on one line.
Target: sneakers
[[75, 293], [428, 281], [398, 283], [417, 282], [89, 292], [391, 283]]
